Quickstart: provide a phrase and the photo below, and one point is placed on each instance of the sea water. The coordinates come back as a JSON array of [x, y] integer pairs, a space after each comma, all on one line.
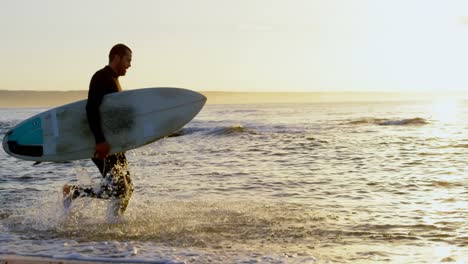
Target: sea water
[[271, 183]]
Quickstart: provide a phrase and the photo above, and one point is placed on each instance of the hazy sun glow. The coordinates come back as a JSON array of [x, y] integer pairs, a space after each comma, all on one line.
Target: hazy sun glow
[[446, 110], [254, 45]]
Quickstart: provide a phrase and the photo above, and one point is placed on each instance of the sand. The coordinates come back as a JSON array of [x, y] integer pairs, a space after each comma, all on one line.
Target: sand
[[10, 259]]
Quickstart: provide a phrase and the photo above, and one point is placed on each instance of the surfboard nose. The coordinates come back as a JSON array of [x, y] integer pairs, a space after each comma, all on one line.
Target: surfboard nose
[[185, 96], [199, 97], [194, 98], [200, 100], [172, 92], [204, 98]]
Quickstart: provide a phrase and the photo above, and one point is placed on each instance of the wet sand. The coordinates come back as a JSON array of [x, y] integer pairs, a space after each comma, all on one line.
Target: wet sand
[[11, 259]]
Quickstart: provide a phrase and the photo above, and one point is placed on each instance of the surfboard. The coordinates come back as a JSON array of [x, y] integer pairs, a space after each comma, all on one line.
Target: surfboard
[[129, 120]]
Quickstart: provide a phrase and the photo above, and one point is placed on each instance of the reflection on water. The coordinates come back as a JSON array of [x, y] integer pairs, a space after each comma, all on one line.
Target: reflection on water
[[447, 111]]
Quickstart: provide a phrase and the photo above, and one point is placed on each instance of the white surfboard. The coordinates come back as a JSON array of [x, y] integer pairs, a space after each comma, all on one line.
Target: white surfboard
[[129, 119]]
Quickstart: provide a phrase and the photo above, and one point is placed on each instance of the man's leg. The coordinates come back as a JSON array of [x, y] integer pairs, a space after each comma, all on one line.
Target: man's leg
[[117, 184], [120, 187], [87, 191]]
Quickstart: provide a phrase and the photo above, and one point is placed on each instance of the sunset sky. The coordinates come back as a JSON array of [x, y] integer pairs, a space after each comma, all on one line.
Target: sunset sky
[[239, 45]]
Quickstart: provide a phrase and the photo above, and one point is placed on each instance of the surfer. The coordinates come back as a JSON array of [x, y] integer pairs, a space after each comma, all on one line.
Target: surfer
[[117, 184]]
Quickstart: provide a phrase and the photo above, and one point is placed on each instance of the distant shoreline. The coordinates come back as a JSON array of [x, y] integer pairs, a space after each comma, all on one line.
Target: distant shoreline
[[31, 99]]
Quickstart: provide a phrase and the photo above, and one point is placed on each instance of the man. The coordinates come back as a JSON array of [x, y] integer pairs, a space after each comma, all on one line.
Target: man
[[117, 184]]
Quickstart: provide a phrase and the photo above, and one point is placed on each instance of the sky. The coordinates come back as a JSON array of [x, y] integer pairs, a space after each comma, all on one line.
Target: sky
[[239, 45]]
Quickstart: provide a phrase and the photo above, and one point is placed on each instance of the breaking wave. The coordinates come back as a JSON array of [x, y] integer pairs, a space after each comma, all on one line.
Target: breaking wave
[[217, 131], [231, 130], [389, 122]]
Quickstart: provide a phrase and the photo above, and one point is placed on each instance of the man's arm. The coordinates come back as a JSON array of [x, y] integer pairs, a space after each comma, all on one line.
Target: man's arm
[[97, 90], [95, 96]]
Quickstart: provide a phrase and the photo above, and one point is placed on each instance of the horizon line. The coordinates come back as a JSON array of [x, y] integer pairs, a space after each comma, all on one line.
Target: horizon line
[[264, 92]]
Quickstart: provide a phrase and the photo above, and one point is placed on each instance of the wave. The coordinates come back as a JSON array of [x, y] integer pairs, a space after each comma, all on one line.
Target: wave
[[445, 184], [455, 146], [187, 131], [405, 122], [214, 131], [231, 130], [7, 125], [368, 120], [389, 122]]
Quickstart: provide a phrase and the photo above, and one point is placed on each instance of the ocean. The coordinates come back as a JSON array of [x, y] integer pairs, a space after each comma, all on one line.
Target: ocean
[[372, 182]]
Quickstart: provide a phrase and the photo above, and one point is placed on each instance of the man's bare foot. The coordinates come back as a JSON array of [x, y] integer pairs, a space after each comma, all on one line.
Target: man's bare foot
[[67, 191]]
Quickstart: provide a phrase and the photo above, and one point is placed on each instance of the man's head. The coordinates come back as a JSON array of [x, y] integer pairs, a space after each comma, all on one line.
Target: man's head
[[120, 59]]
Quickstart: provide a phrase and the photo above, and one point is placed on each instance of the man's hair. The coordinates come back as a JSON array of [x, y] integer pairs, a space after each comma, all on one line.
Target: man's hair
[[119, 49]]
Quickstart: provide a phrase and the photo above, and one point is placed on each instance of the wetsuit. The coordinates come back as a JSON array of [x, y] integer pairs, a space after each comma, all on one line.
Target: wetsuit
[[118, 183]]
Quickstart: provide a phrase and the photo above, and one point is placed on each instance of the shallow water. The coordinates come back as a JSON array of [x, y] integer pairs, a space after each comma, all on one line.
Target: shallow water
[[273, 183]]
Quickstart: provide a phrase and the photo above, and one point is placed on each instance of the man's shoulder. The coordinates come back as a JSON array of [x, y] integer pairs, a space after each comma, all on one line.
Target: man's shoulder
[[102, 74]]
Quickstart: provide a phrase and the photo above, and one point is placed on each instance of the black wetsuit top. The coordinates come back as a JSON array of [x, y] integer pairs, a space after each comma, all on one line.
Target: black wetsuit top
[[104, 81]]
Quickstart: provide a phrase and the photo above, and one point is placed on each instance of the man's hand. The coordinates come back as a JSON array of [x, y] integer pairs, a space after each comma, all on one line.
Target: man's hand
[[102, 150]]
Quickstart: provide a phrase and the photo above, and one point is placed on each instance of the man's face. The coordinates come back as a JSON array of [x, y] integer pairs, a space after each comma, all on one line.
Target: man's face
[[124, 63]]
